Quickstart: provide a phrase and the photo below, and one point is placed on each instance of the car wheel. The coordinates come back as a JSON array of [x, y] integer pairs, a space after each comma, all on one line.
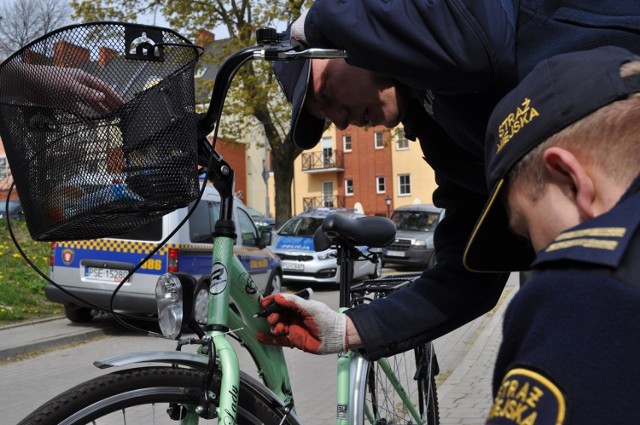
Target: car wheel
[[78, 314], [274, 286]]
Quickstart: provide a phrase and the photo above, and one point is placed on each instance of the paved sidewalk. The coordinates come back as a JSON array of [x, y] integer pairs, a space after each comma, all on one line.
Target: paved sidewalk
[[465, 395], [466, 358], [16, 339]]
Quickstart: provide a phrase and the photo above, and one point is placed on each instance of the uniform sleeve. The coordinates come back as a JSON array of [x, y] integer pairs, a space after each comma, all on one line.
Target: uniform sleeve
[[441, 300], [449, 46], [448, 295]]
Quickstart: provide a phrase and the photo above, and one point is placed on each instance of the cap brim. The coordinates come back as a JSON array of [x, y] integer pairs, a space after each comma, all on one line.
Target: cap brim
[[492, 246], [306, 130]]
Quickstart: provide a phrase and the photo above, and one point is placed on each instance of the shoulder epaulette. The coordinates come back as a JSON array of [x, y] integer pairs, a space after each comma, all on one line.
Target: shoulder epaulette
[[601, 241]]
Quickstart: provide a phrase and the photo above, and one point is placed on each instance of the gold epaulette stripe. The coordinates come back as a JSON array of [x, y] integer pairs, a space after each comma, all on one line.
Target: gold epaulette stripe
[[606, 232], [605, 244]]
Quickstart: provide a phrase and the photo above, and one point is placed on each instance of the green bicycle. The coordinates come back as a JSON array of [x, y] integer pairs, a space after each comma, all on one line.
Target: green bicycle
[[208, 386]]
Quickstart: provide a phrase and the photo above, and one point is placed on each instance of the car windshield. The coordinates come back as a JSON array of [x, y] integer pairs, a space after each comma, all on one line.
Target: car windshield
[[301, 226], [422, 221]]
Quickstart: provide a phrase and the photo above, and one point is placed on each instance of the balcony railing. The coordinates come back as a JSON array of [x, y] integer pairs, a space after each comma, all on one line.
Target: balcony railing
[[323, 201], [322, 161]]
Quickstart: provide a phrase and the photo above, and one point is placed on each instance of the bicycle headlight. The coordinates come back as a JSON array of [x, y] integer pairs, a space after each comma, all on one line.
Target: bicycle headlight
[[201, 303], [170, 305]]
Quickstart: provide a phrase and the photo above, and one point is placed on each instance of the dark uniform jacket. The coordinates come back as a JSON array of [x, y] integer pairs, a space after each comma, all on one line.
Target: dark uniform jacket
[[459, 57], [571, 347]]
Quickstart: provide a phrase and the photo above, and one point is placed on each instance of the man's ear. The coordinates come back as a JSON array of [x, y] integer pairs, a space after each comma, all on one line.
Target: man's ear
[[568, 172]]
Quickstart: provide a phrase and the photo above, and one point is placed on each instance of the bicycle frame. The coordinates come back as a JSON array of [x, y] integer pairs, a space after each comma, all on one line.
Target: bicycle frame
[[231, 282], [243, 292]]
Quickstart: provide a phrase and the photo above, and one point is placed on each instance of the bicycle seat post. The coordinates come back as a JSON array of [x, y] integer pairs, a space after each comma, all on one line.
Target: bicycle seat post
[[346, 235], [346, 255]]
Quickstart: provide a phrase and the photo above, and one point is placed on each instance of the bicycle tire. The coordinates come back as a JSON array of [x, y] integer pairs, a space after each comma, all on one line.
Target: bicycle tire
[[416, 370], [123, 394]]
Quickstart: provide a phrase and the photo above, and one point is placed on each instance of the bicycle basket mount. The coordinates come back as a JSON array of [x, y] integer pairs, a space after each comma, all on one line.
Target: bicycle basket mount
[[99, 126]]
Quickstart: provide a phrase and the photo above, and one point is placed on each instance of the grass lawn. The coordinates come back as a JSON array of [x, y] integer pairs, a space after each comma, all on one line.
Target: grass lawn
[[21, 288]]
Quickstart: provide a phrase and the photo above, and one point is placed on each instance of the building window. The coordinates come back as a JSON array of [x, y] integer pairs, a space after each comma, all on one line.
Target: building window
[[380, 185], [4, 167], [327, 194], [327, 151], [402, 143], [404, 184], [348, 187], [378, 139], [346, 142]]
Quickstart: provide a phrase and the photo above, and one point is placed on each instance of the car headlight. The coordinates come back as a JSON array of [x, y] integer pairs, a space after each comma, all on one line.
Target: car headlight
[[420, 243], [170, 305], [326, 255]]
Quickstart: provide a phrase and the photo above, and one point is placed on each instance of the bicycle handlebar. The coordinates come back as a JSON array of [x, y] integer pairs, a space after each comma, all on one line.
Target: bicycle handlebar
[[270, 46]]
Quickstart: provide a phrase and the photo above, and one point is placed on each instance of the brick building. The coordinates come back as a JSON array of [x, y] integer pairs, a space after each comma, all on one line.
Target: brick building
[[372, 169]]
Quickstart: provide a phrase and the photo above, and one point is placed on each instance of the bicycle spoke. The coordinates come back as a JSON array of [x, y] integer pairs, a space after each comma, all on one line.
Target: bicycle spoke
[[410, 372]]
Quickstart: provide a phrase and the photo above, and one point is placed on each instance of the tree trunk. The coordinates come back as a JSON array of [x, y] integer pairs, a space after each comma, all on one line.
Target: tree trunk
[[284, 155]]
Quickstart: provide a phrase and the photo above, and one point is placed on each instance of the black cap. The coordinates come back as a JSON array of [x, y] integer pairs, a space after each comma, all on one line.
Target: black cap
[[293, 76], [556, 93]]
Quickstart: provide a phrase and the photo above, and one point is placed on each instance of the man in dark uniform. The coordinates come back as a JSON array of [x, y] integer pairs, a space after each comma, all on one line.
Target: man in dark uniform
[[564, 168], [445, 64]]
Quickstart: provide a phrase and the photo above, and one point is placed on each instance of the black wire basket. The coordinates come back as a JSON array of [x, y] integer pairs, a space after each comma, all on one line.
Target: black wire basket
[[98, 123]]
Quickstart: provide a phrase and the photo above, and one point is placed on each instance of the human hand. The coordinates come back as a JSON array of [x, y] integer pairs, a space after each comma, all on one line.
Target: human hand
[[308, 325], [71, 89]]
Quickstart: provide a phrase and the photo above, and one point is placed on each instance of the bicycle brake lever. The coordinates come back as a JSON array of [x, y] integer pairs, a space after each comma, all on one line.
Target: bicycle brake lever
[[315, 53], [278, 46], [290, 54]]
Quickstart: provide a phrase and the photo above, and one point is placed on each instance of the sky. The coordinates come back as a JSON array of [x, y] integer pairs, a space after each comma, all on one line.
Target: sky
[[148, 20]]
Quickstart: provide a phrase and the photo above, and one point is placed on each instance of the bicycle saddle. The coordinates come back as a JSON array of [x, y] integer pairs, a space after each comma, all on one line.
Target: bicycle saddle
[[374, 232]]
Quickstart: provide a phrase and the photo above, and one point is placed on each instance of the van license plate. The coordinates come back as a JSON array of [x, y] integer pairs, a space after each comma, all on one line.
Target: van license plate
[[395, 253], [293, 266], [99, 273]]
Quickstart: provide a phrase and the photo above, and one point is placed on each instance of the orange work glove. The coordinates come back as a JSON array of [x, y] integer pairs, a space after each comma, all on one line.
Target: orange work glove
[[308, 325]]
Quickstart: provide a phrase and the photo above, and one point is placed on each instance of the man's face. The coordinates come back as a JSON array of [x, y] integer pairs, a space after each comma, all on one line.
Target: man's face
[[541, 219], [348, 95]]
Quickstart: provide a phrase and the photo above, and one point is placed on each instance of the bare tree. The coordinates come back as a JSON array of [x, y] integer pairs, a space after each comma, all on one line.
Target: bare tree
[[25, 20]]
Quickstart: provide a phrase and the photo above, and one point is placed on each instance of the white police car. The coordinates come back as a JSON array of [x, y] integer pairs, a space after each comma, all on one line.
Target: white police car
[[91, 269], [301, 263]]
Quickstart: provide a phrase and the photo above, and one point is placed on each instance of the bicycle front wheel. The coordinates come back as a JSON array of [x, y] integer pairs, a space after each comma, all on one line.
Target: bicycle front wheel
[[151, 395], [412, 373]]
